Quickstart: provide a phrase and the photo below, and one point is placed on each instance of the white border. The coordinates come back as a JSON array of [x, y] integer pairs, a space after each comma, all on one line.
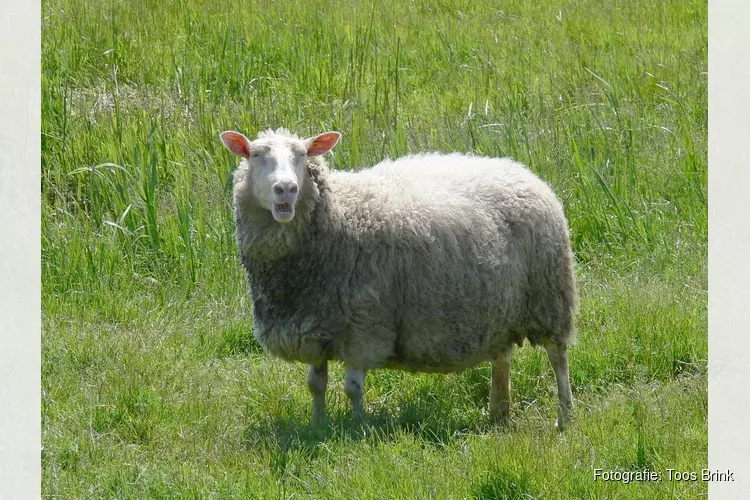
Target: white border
[[729, 246], [20, 250]]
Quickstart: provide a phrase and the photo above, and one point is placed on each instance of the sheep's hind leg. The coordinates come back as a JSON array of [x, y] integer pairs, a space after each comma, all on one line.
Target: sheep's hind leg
[[500, 387], [317, 381], [558, 357], [354, 384]]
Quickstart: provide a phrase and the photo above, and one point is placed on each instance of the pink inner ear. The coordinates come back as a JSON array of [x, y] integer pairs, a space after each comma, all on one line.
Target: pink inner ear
[[236, 143], [323, 143]]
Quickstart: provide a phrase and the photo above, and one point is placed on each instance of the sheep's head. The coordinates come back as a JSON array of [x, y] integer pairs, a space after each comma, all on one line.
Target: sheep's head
[[277, 165]]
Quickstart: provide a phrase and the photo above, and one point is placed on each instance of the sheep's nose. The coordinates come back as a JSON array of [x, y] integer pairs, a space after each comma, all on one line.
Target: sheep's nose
[[285, 187]]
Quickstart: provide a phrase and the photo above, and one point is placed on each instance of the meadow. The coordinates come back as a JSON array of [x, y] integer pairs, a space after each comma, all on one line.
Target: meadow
[[152, 383]]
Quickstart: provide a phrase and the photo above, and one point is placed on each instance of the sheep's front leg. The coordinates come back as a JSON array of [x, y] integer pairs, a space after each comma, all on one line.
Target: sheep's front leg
[[558, 357], [354, 384], [317, 381], [500, 386]]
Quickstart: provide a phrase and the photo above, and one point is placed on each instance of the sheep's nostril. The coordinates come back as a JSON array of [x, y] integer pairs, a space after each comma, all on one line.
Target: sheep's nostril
[[285, 187]]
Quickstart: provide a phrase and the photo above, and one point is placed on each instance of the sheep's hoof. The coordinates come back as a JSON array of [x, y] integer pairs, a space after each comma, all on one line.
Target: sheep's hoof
[[500, 418], [502, 422], [562, 422], [500, 413], [319, 419]]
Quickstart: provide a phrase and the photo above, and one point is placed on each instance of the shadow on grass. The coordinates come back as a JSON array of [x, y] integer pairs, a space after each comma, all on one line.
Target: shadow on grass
[[503, 484], [284, 438]]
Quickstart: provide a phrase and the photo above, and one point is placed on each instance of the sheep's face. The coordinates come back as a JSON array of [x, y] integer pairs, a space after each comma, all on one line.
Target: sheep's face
[[277, 166]]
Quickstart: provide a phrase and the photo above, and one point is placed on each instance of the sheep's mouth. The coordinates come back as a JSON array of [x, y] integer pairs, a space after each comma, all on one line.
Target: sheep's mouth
[[284, 208], [283, 212]]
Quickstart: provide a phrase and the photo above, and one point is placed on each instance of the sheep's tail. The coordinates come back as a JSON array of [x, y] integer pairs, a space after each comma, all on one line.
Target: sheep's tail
[[554, 303], [566, 329]]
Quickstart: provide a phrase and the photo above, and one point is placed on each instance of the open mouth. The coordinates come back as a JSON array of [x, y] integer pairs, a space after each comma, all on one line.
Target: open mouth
[[283, 211]]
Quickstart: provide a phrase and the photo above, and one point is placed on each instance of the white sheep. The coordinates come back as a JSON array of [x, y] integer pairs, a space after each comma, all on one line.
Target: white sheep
[[430, 263]]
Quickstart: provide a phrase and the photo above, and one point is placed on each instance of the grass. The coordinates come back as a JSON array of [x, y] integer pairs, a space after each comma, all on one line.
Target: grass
[[152, 383]]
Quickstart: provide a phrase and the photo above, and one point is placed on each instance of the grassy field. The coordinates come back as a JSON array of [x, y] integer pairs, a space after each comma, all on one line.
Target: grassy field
[[153, 385]]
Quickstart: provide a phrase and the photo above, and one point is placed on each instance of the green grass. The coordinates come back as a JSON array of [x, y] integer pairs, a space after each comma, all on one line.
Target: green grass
[[152, 383]]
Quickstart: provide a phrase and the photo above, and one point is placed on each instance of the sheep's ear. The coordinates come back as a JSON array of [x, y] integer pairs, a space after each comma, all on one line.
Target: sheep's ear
[[322, 143], [236, 143]]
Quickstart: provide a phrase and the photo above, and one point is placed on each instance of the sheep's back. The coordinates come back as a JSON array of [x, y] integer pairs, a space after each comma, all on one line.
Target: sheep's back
[[418, 198]]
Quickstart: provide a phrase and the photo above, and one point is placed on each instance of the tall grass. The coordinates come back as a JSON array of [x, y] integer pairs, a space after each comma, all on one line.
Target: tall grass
[[605, 100], [609, 112]]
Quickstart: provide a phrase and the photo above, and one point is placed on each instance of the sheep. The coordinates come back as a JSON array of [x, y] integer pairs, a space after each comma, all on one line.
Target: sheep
[[427, 263]]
